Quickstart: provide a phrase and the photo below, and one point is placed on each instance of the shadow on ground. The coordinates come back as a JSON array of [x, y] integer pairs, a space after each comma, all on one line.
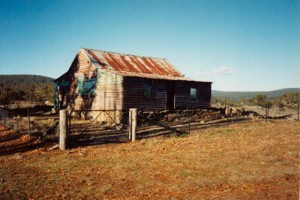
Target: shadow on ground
[[13, 142], [97, 135]]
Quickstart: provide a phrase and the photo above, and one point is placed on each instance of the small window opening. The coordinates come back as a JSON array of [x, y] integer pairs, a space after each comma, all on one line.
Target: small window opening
[[148, 90], [193, 93]]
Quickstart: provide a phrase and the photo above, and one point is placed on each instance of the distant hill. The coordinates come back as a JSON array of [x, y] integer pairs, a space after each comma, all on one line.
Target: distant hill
[[249, 95], [25, 87], [41, 88], [24, 79]]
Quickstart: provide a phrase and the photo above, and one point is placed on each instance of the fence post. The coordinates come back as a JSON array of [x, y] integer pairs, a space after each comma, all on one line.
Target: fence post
[[129, 123], [132, 123], [266, 114], [268, 109], [298, 110], [69, 126], [226, 113], [28, 116], [190, 118], [63, 127]]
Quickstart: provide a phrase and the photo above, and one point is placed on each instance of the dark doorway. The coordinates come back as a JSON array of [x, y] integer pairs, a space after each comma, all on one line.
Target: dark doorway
[[171, 95]]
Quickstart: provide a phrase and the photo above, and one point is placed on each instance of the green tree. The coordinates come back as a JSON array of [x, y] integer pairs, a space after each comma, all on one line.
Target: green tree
[[291, 97], [261, 100]]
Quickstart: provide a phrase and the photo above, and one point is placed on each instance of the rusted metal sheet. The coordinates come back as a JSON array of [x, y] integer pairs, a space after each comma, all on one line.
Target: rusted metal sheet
[[105, 80], [136, 66]]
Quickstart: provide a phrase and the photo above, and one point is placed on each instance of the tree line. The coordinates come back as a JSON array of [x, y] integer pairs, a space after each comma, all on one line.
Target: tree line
[[288, 100], [17, 88]]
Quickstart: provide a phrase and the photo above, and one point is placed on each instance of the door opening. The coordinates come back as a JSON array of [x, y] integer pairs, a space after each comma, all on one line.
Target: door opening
[[171, 95]]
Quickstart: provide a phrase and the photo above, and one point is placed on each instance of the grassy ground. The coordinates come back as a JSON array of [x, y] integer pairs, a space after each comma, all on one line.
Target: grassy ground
[[244, 161]]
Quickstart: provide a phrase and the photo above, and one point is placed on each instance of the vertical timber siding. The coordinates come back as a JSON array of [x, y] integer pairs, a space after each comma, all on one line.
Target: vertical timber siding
[[134, 93], [109, 92], [108, 96], [84, 69], [183, 99]]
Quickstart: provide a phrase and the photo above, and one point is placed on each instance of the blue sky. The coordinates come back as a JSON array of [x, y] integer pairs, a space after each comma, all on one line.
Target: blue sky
[[239, 45]]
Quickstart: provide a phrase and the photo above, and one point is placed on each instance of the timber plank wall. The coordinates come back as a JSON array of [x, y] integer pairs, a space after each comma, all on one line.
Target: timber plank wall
[[182, 94], [134, 94], [83, 68], [109, 91]]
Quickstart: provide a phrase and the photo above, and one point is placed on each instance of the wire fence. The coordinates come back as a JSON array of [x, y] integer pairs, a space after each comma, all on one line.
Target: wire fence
[[17, 121], [28, 120], [106, 126]]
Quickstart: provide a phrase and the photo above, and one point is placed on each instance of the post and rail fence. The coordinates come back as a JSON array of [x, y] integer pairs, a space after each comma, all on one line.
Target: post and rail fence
[[65, 126], [133, 121]]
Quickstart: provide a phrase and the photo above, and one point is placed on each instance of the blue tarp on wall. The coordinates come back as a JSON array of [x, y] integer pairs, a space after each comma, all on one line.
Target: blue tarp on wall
[[86, 86]]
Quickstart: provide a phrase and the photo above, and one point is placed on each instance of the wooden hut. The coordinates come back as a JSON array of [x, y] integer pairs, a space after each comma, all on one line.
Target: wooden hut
[[101, 80]]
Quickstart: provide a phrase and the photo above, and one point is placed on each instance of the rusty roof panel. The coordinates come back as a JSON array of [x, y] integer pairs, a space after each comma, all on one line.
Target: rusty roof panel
[[95, 57], [134, 65], [152, 76]]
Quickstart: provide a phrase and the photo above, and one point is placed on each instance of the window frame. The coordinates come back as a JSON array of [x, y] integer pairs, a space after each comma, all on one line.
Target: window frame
[[147, 90], [193, 93]]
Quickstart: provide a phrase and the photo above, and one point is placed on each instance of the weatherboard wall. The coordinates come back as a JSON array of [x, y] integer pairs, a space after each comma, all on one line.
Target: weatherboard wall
[[183, 98], [107, 92], [85, 70], [134, 93]]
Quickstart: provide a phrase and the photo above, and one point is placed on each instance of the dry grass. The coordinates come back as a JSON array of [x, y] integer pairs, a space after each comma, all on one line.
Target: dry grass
[[244, 161]]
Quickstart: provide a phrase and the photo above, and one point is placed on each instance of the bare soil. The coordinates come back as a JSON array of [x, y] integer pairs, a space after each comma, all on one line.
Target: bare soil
[[15, 142], [243, 161]]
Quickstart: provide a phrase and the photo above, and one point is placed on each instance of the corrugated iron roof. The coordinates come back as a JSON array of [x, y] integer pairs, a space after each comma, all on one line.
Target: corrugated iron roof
[[131, 65]]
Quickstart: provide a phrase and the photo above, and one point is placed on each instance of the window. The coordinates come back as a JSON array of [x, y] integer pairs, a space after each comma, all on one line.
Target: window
[[193, 93], [147, 90]]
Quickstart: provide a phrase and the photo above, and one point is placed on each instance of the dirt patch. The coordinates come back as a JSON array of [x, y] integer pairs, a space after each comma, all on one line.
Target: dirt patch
[[14, 142]]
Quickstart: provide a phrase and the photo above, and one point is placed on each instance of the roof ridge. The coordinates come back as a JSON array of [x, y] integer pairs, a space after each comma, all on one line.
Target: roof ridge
[[125, 54]]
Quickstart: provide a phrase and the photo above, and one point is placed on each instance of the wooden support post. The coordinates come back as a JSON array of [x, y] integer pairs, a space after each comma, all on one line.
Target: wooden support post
[[226, 113], [298, 109], [190, 119], [28, 116], [69, 125], [132, 123], [268, 109], [63, 127], [266, 113]]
